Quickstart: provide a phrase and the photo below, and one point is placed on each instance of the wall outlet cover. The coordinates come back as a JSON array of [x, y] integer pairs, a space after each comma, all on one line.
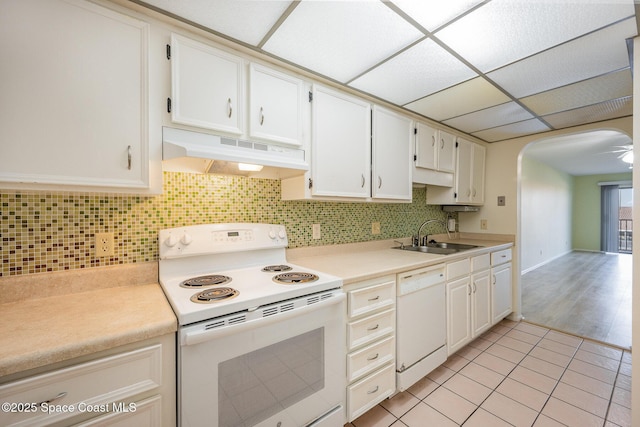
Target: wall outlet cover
[[104, 244], [375, 228]]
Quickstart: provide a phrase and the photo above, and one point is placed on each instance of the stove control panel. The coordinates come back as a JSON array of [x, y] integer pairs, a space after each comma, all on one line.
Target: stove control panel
[[220, 238]]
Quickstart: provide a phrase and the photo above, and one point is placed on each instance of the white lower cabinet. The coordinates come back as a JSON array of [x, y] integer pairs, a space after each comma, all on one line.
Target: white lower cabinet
[[371, 347], [133, 387], [502, 293], [478, 296]]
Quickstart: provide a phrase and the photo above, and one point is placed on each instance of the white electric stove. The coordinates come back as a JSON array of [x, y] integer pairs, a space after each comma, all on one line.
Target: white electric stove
[[243, 310]]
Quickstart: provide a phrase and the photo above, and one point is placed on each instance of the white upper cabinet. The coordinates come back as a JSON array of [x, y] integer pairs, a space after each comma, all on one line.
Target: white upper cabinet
[[341, 145], [435, 149], [75, 92], [470, 173], [391, 142], [206, 86], [469, 178], [276, 103]]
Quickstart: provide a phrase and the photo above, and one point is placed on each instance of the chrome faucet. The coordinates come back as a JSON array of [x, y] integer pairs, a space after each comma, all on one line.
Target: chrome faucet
[[418, 242]]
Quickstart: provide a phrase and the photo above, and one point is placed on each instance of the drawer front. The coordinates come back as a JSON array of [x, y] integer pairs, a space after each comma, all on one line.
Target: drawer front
[[369, 329], [480, 262], [367, 300], [458, 269], [148, 413], [99, 382], [370, 391], [367, 360], [500, 257]]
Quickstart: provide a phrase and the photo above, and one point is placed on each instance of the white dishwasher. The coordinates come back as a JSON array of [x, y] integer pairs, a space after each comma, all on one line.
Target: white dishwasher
[[421, 329]]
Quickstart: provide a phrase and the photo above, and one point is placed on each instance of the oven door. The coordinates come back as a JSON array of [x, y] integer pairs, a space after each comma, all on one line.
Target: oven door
[[280, 365]]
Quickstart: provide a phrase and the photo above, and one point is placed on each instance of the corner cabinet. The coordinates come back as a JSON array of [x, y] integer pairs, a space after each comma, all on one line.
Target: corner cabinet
[[358, 152], [469, 178], [207, 89], [75, 99]]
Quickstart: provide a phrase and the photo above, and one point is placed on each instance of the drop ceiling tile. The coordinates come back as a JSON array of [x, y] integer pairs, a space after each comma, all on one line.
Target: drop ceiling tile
[[339, 39], [499, 115], [513, 130], [419, 71], [431, 14], [594, 113], [472, 95], [245, 20], [609, 86], [503, 31], [593, 55]]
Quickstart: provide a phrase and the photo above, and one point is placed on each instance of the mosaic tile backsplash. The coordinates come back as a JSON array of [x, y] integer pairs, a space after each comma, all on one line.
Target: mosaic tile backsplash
[[42, 232]]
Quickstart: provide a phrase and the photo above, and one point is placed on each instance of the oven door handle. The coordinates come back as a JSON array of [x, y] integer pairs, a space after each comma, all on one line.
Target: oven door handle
[[201, 335]]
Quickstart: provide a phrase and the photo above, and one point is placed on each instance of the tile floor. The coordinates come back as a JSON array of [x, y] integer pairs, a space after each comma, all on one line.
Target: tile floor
[[517, 374]]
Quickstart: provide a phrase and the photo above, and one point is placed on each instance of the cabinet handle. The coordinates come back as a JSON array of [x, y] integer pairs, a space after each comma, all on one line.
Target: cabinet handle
[[374, 328], [433, 141], [442, 143], [474, 192], [58, 396], [469, 290], [494, 279], [373, 357], [474, 288], [261, 116], [379, 182], [129, 157], [229, 107], [374, 299], [375, 390], [362, 185]]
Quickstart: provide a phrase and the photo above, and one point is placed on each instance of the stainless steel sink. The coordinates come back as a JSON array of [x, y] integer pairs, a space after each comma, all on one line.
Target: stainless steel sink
[[438, 248]]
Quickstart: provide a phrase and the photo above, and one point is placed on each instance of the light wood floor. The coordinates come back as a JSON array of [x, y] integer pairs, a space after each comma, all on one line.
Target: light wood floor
[[583, 293]]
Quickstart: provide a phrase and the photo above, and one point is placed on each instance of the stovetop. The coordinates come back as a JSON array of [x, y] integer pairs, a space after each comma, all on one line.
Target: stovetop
[[240, 252]]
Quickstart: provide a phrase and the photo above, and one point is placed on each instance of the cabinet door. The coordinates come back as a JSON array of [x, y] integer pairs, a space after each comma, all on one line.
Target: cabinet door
[[74, 104], [458, 312], [463, 171], [340, 145], [502, 292], [446, 152], [477, 178], [206, 86], [481, 302], [391, 155], [426, 147], [275, 105]]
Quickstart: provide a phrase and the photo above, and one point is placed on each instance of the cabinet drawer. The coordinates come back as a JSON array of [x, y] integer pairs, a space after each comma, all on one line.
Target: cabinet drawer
[[369, 391], [99, 382], [363, 362], [458, 269], [480, 262], [500, 257], [366, 300], [148, 413], [369, 329]]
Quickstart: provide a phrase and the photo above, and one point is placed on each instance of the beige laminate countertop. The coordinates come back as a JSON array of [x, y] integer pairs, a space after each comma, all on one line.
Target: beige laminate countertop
[[361, 261], [47, 329]]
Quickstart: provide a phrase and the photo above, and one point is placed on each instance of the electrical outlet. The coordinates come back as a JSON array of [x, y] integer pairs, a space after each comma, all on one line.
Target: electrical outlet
[[316, 232], [483, 224], [104, 244], [375, 228]]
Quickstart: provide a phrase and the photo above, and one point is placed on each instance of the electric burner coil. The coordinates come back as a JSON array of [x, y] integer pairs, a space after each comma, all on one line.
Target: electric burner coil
[[294, 278]]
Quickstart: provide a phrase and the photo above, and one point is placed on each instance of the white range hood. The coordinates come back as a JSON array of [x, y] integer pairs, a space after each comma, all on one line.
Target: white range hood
[[189, 151]]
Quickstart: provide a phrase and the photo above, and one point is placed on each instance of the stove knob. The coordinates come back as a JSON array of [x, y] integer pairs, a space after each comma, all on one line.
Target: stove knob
[[282, 234], [171, 241], [186, 239], [272, 234]]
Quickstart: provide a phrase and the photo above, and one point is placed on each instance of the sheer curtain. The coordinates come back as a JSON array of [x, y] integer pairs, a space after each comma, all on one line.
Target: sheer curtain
[[609, 218]]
